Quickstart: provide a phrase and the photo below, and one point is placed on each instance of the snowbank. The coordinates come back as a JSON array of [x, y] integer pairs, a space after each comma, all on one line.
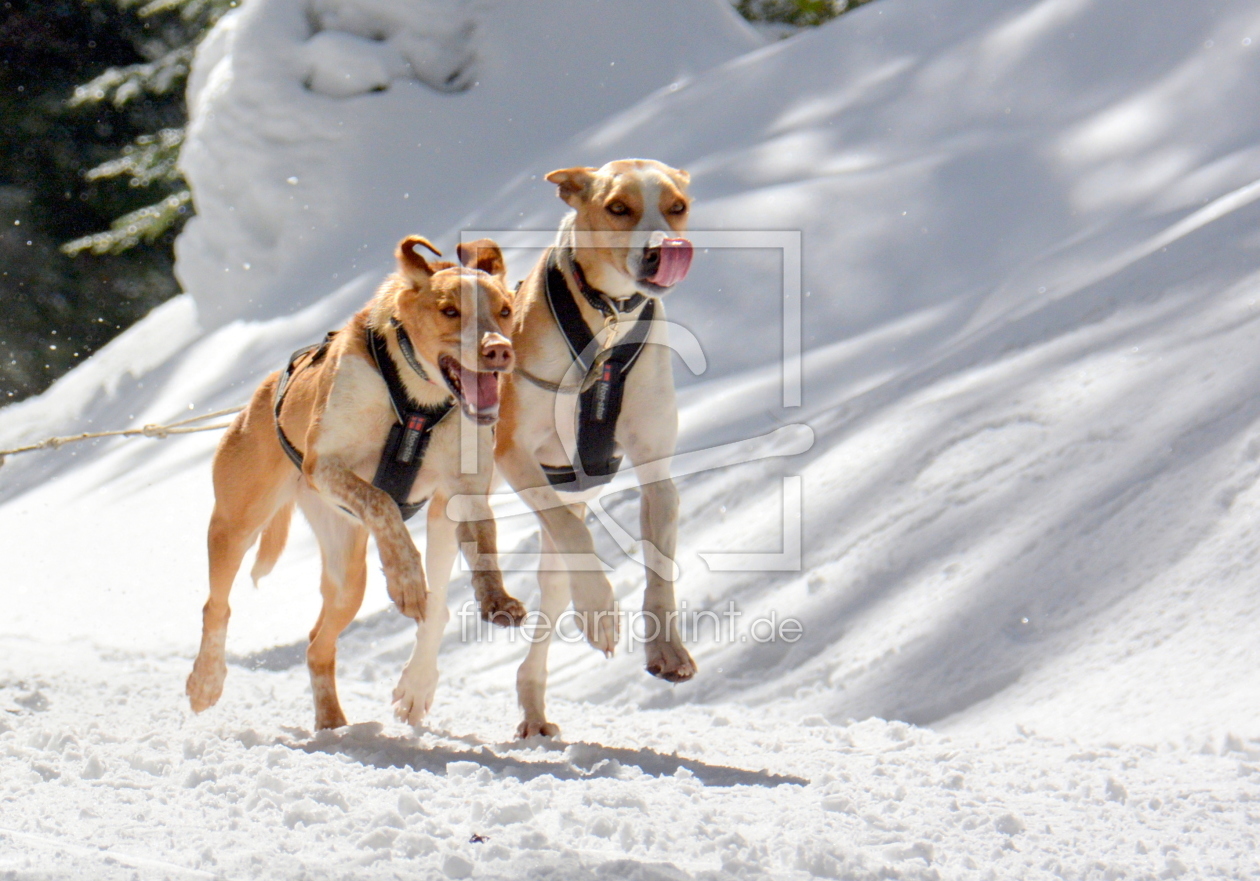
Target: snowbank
[[321, 133]]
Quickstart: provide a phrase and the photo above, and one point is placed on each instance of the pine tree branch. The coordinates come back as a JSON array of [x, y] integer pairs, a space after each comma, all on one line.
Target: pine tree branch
[[144, 224], [150, 159], [119, 85]]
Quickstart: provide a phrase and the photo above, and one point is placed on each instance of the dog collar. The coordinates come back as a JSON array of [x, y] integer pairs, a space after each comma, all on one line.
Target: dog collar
[[385, 365], [597, 298], [408, 350]]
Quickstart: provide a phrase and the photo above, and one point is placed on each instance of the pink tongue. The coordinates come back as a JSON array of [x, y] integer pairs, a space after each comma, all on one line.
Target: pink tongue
[[675, 261], [480, 389]]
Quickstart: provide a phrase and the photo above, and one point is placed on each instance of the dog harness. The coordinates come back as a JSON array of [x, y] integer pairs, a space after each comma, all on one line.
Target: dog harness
[[599, 404], [408, 439]]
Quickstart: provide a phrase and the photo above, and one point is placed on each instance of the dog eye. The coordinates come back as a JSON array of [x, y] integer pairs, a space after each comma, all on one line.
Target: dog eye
[[678, 208], [506, 313], [618, 208], [450, 312]]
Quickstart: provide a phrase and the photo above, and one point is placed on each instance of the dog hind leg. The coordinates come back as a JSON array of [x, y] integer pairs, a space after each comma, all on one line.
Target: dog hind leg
[[229, 538], [253, 483], [667, 657]]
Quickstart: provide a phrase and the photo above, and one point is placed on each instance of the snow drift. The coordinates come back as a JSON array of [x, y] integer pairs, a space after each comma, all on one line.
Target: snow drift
[[1031, 301], [321, 133]]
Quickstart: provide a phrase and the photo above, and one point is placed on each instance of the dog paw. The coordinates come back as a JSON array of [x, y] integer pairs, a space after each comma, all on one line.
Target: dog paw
[[536, 728], [413, 697], [205, 684], [601, 630], [409, 595], [329, 718], [669, 661], [328, 712], [412, 603], [404, 581], [596, 609], [502, 609]]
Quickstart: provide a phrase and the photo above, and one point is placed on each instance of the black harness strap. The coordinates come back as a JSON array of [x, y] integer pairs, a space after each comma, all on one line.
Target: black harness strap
[[599, 407], [408, 439], [317, 353]]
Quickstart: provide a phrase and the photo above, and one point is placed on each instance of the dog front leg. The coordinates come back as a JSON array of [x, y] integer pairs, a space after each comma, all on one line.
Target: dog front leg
[[531, 677], [658, 520], [404, 572], [478, 538], [343, 551], [413, 696]]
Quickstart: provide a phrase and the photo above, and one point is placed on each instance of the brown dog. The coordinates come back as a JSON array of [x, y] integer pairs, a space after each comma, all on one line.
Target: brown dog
[[430, 346], [590, 335]]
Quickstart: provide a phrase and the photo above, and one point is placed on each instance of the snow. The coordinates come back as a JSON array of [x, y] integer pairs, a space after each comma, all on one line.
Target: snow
[[324, 132], [1028, 457], [233, 795]]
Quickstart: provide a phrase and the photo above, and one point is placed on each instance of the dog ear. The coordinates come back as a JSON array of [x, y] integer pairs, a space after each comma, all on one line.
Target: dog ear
[[483, 254], [573, 183], [411, 265], [680, 177]]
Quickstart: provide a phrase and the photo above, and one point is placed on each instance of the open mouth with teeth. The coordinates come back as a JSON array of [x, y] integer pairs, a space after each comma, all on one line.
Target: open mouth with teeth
[[477, 392]]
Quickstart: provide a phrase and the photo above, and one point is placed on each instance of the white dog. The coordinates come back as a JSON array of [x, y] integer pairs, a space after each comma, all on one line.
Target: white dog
[[590, 343]]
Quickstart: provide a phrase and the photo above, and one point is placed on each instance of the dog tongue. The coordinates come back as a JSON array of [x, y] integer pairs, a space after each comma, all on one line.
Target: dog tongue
[[675, 261], [481, 390]]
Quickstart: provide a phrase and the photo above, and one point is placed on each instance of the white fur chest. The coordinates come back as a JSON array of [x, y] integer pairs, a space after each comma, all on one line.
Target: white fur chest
[[355, 426]]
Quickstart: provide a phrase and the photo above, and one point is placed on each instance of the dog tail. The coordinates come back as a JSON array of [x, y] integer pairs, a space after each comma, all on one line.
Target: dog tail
[[274, 535]]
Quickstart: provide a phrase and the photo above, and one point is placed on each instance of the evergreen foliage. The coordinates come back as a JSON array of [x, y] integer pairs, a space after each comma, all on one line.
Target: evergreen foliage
[[151, 161], [796, 13], [54, 310], [91, 122]]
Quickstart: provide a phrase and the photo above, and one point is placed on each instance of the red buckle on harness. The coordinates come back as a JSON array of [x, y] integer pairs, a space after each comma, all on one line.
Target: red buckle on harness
[[601, 393], [412, 433]]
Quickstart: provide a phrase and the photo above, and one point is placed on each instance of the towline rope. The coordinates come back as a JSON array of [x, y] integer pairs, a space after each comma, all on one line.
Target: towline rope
[[183, 426]]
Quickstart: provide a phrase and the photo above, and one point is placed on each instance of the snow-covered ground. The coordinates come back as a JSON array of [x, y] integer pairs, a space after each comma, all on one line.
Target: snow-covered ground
[[1028, 454], [107, 777]]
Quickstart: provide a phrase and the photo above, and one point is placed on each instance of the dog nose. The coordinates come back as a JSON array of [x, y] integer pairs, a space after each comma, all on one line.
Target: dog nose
[[651, 260], [496, 352]]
